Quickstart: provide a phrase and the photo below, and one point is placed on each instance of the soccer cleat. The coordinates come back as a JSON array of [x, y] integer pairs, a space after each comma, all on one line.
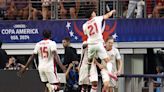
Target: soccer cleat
[[50, 87]]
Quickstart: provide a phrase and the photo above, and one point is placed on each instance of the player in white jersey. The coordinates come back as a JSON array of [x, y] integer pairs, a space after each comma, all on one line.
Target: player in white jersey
[[92, 28], [115, 59], [84, 79], [48, 58]]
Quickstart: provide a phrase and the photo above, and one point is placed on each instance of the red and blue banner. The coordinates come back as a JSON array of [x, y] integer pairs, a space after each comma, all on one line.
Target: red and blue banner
[[123, 30]]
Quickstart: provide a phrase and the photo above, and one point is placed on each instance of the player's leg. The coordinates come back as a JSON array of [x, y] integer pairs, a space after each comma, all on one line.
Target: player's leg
[[93, 77], [110, 89], [83, 77], [105, 76], [105, 79], [113, 85], [102, 53], [53, 81], [43, 79], [94, 86], [53, 87], [84, 88], [92, 51], [83, 71]]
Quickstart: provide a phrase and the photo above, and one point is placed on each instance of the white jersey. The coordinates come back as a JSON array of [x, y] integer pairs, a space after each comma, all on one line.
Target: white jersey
[[44, 50], [93, 29], [114, 55]]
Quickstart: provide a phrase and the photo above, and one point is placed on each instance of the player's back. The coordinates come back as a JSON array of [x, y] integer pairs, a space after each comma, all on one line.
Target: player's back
[[92, 28], [45, 55]]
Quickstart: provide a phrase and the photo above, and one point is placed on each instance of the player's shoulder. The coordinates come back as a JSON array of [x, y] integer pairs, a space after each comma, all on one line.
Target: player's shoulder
[[38, 43], [52, 42], [84, 25], [115, 49], [98, 17]]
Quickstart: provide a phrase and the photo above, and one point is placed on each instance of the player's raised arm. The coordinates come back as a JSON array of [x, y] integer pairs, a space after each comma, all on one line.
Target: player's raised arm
[[109, 14], [57, 60]]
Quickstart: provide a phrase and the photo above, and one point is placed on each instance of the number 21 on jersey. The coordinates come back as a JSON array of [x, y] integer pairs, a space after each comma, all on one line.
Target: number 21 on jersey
[[92, 29], [44, 52]]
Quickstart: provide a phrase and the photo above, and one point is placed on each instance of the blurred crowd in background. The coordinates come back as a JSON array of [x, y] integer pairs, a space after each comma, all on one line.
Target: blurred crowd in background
[[75, 9]]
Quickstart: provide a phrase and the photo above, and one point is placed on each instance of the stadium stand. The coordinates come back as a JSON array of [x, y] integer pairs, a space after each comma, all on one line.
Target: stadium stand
[[32, 9]]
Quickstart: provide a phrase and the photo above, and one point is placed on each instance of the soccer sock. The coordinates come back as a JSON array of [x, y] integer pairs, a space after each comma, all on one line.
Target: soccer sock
[[93, 89]]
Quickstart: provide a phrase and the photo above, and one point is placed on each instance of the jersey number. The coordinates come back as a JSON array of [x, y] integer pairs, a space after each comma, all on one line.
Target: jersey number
[[92, 29], [44, 52]]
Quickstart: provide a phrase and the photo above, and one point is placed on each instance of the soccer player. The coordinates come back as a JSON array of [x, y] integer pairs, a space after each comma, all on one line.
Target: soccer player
[[115, 59], [84, 79], [92, 28], [48, 58]]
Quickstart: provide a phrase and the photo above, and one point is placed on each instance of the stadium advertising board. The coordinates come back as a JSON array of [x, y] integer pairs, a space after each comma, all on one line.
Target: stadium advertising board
[[123, 30]]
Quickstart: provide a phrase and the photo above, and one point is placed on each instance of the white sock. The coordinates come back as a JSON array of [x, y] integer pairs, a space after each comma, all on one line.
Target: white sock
[[93, 89], [109, 67]]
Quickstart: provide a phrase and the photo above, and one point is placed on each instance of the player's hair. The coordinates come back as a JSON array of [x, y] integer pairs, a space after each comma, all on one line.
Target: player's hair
[[67, 39], [89, 12], [46, 33], [109, 38]]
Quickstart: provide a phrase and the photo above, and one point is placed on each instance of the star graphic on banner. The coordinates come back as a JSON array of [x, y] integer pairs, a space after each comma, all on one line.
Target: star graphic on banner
[[71, 33], [68, 25], [114, 36], [76, 37]]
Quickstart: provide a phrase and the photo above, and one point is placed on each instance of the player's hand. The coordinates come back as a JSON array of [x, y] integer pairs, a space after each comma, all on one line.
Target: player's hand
[[113, 11], [118, 73]]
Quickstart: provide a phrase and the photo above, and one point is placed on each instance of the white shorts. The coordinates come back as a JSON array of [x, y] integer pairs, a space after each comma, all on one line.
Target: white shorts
[[84, 78], [93, 73], [97, 50], [48, 76], [108, 68], [105, 76], [113, 83]]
